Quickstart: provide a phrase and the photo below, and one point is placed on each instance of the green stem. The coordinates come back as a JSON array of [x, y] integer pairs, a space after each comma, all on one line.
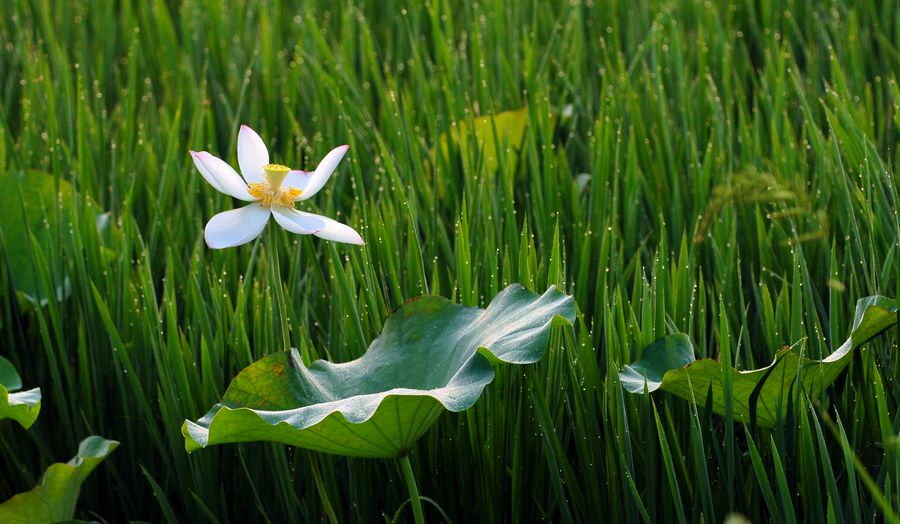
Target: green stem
[[277, 288], [413, 489]]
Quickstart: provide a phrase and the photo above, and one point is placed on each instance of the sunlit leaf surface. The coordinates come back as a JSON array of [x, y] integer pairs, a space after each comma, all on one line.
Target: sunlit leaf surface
[[490, 135]]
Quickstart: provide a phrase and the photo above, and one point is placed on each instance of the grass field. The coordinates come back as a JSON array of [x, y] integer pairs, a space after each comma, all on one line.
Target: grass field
[[724, 169]]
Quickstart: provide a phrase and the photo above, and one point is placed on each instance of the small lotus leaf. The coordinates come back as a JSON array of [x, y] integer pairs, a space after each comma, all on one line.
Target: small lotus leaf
[[21, 406], [54, 499], [432, 355], [761, 396]]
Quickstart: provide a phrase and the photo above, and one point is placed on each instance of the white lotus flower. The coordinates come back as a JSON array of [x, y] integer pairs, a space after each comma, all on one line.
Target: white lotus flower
[[273, 189]]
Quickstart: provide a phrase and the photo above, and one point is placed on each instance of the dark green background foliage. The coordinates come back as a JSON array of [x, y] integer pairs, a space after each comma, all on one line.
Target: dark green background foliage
[[729, 170]]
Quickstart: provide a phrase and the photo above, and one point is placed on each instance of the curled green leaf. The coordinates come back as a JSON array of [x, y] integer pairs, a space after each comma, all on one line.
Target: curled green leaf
[[759, 396], [21, 406], [54, 499], [432, 355]]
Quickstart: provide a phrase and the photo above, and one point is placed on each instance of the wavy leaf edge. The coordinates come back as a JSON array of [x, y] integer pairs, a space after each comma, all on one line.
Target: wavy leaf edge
[[199, 435], [874, 315]]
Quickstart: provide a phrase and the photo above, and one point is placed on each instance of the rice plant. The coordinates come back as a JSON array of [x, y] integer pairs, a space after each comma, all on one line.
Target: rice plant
[[724, 170]]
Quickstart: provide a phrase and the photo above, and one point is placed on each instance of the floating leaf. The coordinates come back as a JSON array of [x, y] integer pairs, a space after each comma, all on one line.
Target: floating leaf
[[53, 500], [21, 406], [492, 135], [432, 355], [487, 138], [761, 394]]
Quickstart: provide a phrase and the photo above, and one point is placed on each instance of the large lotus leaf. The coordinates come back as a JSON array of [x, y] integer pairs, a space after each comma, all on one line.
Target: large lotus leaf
[[760, 396], [39, 204], [21, 406], [31, 203], [432, 355], [54, 499]]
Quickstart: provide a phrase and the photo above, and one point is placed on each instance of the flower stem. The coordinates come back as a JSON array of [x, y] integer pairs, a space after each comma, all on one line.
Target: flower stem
[[413, 489], [278, 289]]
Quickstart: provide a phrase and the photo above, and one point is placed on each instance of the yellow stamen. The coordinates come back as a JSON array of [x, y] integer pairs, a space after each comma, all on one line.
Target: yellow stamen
[[268, 197]]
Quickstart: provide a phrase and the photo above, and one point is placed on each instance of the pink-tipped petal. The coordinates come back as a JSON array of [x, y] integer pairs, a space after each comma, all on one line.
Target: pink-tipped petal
[[324, 170], [225, 175], [252, 155], [297, 221], [195, 156], [338, 232], [237, 226]]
